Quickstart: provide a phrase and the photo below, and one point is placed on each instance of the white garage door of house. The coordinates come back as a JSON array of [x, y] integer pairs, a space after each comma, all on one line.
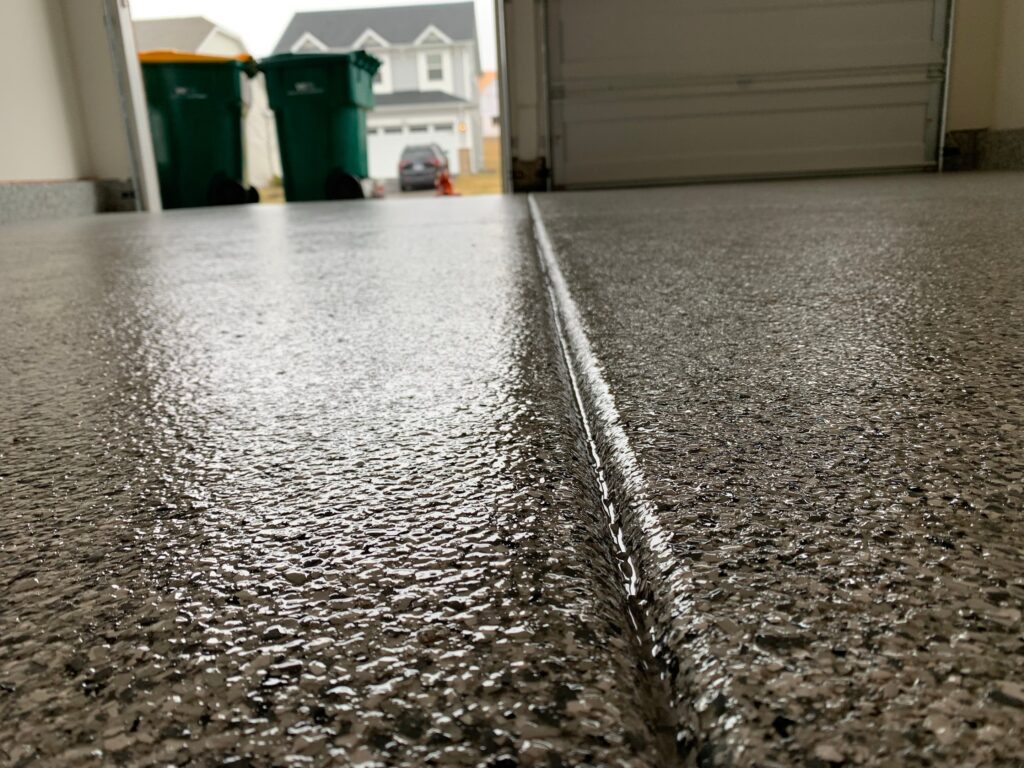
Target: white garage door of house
[[661, 90], [385, 148]]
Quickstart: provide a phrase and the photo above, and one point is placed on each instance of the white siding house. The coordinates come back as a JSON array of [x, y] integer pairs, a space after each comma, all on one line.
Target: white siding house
[[426, 89]]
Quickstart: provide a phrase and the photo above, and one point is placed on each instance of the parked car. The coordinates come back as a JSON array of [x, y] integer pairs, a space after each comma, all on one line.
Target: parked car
[[420, 165]]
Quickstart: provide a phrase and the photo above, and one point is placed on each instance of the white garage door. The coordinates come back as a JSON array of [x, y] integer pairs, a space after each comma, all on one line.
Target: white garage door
[[385, 145], [660, 90]]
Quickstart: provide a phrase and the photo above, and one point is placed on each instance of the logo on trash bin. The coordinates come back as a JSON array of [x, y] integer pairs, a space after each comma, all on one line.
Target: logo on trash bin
[[305, 88], [184, 92]]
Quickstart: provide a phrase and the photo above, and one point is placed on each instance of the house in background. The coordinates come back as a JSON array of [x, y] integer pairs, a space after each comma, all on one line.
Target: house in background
[[196, 34], [490, 111], [427, 88], [490, 118]]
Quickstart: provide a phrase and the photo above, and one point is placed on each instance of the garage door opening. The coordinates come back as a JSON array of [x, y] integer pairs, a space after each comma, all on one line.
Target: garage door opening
[[437, 87]]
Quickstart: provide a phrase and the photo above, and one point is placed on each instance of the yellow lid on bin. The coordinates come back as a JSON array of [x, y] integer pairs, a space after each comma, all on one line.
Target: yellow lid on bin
[[170, 56]]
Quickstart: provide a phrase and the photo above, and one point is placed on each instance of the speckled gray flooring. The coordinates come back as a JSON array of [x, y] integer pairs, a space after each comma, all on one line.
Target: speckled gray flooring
[[302, 485], [308, 485], [813, 395]]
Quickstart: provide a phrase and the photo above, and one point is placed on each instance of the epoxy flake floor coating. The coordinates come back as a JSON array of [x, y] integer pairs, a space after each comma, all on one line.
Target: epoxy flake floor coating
[[822, 385], [307, 485], [302, 486]]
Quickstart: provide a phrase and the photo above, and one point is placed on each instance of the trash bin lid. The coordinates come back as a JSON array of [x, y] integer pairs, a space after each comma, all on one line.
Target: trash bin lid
[[360, 59], [171, 56]]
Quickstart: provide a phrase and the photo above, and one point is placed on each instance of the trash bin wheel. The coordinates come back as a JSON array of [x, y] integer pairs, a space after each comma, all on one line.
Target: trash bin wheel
[[225, 191], [343, 186]]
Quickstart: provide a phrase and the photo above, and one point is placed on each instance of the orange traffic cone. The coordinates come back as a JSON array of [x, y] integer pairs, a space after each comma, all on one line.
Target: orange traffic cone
[[444, 184]]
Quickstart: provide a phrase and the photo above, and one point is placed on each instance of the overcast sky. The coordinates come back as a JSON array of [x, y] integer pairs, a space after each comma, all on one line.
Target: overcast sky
[[260, 25]]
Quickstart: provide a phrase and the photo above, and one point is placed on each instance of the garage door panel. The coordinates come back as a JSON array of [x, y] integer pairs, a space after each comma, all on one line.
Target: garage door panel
[[794, 161], [697, 144], [385, 149], [680, 89], [803, 137], [660, 104], [608, 38]]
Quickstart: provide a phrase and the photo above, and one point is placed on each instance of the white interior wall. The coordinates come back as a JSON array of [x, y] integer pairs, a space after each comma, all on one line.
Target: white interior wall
[[1008, 109], [96, 83], [42, 135], [986, 75], [973, 64]]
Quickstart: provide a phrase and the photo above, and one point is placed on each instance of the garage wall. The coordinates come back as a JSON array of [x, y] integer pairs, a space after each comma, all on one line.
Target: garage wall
[[972, 82], [42, 134], [985, 116], [108, 155], [65, 146], [1009, 91]]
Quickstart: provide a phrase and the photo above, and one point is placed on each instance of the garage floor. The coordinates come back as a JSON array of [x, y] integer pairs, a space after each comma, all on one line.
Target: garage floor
[[728, 475]]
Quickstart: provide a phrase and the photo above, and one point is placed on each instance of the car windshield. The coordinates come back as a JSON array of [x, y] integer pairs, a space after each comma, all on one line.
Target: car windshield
[[418, 154]]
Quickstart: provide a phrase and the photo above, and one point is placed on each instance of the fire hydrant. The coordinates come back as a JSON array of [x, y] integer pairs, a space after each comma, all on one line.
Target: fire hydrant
[[443, 184]]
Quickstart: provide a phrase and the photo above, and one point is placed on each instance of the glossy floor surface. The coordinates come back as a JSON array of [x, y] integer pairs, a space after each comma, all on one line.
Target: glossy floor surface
[[725, 475], [302, 486], [817, 408]]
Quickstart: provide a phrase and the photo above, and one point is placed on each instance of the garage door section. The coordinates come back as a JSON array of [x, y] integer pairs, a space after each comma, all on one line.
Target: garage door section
[[385, 145], [662, 90]]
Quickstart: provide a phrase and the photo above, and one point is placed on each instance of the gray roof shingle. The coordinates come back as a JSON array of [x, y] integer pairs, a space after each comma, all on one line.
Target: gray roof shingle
[[397, 25]]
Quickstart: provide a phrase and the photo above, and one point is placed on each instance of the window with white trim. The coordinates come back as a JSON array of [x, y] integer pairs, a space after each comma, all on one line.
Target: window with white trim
[[435, 67]]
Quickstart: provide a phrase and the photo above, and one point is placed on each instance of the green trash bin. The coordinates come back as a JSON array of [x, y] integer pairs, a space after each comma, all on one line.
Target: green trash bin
[[196, 107], [320, 102]]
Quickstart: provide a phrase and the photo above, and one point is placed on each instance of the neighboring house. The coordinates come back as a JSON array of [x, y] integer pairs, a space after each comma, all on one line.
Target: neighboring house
[[196, 34], [426, 90], [490, 104], [490, 118]]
